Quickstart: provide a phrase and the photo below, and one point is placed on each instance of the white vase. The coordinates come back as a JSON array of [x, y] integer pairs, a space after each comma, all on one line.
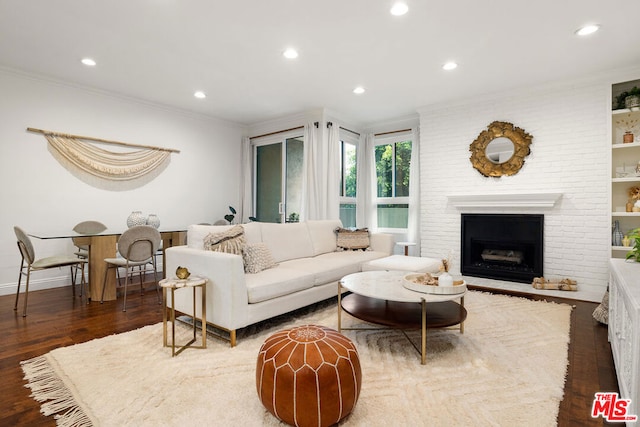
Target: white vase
[[445, 279], [153, 220], [136, 218]]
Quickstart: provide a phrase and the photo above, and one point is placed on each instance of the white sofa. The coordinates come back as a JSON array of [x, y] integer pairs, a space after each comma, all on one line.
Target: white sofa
[[309, 268]]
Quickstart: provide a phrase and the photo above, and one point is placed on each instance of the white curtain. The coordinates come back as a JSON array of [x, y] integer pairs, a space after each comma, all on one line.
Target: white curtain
[[246, 184], [312, 187], [332, 178], [414, 191], [366, 183]]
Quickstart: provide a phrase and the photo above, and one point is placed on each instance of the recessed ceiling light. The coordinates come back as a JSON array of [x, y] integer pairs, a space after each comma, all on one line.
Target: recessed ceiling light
[[88, 62], [200, 94], [587, 29], [450, 66], [290, 53], [399, 8], [358, 90]]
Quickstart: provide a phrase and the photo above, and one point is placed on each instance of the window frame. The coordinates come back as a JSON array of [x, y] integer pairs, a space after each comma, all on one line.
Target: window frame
[[393, 200], [347, 138]]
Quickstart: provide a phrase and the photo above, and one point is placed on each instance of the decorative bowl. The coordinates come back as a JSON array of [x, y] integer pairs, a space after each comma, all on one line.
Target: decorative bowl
[[182, 273], [412, 282]]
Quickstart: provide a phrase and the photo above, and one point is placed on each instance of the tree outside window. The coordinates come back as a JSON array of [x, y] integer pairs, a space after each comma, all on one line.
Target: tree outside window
[[393, 164], [348, 184]]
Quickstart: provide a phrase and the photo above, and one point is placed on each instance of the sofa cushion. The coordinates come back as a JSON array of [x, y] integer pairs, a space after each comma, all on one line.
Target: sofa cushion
[[252, 232], [231, 241], [287, 241], [257, 257], [332, 266], [404, 263], [196, 233], [352, 239], [276, 282], [323, 237]]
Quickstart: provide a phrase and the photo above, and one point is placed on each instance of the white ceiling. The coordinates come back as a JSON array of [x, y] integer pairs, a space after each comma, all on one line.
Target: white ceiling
[[164, 50]]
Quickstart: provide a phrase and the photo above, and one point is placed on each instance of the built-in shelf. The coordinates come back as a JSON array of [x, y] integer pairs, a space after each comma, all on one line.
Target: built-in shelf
[[621, 248], [521, 200], [627, 145], [625, 213]]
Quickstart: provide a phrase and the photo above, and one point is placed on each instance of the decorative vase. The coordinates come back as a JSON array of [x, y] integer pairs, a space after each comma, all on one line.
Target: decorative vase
[[136, 218], [627, 137], [445, 279], [626, 241], [629, 207], [632, 102], [616, 237], [153, 220]]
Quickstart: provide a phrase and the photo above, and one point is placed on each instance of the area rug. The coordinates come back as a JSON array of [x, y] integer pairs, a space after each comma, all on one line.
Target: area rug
[[508, 368]]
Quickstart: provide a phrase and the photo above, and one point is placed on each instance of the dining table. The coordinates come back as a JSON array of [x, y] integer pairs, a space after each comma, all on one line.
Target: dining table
[[104, 245]]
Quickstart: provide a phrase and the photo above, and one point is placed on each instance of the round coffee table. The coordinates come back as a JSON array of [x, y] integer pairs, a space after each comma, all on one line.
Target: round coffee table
[[379, 297]]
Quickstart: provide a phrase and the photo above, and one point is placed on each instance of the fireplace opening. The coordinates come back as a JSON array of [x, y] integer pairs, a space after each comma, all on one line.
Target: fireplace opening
[[502, 246]]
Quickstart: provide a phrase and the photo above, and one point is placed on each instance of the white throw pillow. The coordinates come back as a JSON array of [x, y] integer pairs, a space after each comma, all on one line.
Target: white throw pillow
[[230, 241], [257, 257]]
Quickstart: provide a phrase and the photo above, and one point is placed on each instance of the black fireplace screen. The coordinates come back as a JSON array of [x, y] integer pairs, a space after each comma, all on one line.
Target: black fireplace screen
[[502, 246]]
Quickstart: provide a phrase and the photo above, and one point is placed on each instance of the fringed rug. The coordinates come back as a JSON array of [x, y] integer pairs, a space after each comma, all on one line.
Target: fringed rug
[[507, 369]]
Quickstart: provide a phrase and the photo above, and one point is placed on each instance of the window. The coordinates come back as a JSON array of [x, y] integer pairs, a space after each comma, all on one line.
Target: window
[[393, 163], [278, 178], [348, 181]]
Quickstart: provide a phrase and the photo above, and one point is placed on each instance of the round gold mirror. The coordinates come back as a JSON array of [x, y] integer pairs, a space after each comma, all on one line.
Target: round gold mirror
[[500, 150]]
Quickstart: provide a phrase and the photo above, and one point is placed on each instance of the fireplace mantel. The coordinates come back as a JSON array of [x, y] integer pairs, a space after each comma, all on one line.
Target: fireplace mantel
[[522, 200]]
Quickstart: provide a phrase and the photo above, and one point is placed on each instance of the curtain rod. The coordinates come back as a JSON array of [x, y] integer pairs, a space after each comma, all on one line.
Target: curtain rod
[[280, 131], [392, 132], [348, 130], [89, 138]]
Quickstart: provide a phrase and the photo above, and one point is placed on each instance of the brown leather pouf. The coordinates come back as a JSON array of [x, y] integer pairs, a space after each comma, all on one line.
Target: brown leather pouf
[[308, 376]]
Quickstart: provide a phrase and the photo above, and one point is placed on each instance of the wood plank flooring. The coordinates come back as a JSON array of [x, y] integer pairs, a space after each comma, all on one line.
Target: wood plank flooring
[[56, 319]]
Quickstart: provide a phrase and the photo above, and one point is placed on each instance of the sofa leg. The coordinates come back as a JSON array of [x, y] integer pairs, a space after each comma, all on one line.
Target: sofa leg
[[232, 337]]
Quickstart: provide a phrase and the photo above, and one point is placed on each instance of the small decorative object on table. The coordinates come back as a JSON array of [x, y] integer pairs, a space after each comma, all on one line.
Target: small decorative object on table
[[182, 273], [429, 284], [136, 218], [153, 221]]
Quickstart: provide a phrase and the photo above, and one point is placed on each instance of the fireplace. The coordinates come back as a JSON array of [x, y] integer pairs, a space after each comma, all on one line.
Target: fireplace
[[502, 246]]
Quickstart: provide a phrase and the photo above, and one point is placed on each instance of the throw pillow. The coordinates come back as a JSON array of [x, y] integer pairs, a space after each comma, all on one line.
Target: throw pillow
[[601, 313], [257, 257], [352, 240], [231, 241]]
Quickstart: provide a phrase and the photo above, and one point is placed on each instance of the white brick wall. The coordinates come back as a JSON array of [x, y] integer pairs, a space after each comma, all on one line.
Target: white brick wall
[[570, 154]]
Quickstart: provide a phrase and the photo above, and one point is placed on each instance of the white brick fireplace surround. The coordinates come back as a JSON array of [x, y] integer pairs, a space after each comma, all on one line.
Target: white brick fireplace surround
[[569, 160]]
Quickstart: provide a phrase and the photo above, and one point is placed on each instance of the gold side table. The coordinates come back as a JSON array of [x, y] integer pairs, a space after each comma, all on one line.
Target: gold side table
[[192, 282]]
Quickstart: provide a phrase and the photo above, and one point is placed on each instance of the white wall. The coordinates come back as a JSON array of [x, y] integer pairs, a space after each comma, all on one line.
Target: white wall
[[38, 194], [570, 154]]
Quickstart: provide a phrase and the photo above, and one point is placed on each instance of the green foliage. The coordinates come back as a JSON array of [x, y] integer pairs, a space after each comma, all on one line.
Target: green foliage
[[384, 155], [635, 252]]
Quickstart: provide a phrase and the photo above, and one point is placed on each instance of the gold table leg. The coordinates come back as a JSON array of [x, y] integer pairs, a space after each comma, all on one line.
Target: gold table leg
[[423, 303]]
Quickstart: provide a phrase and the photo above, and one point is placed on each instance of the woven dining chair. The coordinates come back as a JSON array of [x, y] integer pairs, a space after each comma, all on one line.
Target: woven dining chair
[[136, 247], [30, 263], [82, 250]]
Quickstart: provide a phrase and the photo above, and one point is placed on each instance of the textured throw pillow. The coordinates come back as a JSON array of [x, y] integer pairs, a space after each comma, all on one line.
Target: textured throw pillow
[[257, 257], [601, 313], [231, 241], [352, 240]]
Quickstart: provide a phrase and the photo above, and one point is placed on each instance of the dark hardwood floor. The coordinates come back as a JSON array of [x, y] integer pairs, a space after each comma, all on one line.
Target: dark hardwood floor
[[56, 319]]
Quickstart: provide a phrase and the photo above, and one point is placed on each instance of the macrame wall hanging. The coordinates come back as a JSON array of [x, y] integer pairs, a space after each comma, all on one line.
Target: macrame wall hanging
[[132, 167]]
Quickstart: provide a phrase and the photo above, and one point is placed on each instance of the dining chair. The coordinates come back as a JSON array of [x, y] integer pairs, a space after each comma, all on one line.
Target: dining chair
[[30, 263], [84, 227], [136, 247]]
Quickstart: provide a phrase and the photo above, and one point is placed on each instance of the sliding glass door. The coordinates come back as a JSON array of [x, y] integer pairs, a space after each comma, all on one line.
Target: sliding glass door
[[279, 174]]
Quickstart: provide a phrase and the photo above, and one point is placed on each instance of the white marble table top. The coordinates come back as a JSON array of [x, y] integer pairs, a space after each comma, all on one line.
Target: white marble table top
[[182, 283], [387, 285]]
